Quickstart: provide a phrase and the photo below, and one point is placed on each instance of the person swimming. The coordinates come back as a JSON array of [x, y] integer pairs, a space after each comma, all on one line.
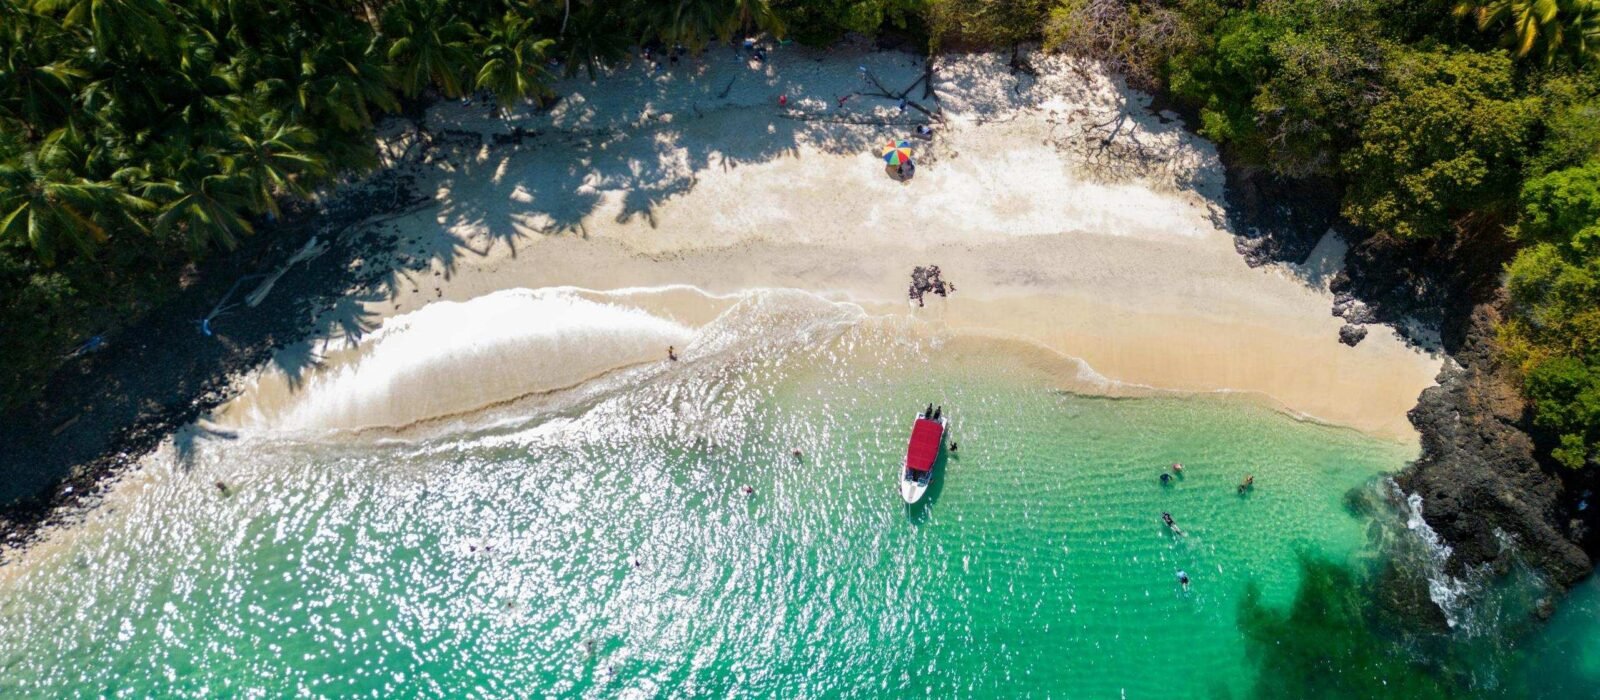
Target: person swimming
[[1171, 524], [1183, 578], [1177, 467], [1165, 478], [1248, 484]]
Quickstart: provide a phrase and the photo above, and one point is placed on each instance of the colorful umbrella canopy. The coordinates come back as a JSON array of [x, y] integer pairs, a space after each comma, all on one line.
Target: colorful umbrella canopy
[[897, 152]]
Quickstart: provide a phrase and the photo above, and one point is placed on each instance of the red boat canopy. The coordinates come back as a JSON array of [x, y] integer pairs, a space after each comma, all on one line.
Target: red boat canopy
[[926, 436]]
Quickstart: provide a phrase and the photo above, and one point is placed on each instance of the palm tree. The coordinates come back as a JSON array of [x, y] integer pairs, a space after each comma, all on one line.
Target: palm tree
[[37, 82], [430, 46], [45, 203], [272, 160], [593, 37], [758, 14], [117, 26], [340, 81], [514, 56], [1545, 27], [692, 23], [201, 200]]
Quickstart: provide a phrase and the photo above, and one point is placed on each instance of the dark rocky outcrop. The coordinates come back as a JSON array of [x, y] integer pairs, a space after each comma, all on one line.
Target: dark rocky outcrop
[[1352, 335], [1277, 219], [1435, 283], [1480, 472]]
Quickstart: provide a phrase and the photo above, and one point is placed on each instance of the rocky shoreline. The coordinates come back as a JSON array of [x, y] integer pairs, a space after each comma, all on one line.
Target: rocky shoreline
[[1484, 476]]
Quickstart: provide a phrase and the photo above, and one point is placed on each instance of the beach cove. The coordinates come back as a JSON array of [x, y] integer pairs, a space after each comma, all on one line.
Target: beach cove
[[492, 479]]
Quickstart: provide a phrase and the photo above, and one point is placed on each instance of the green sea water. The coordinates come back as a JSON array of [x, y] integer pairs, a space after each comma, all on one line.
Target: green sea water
[[605, 546]]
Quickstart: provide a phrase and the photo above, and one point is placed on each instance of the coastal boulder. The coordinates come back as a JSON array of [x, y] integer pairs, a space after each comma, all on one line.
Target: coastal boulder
[[1352, 334]]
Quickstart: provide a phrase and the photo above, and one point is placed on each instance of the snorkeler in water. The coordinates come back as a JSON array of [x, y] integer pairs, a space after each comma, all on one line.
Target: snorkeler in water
[[1172, 525]]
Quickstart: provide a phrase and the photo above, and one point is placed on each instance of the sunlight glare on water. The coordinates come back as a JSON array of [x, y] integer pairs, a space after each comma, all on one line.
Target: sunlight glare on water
[[605, 546]]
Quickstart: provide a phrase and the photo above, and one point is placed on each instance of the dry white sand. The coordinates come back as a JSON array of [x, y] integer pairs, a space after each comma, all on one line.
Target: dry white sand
[[694, 175]]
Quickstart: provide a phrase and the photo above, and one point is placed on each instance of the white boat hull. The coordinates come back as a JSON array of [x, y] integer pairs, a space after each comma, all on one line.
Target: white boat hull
[[912, 490]]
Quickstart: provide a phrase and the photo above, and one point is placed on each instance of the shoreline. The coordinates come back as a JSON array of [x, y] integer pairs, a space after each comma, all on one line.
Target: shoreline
[[629, 215]]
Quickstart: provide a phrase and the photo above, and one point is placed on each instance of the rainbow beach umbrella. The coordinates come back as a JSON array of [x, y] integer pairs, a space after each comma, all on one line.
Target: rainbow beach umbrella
[[897, 152]]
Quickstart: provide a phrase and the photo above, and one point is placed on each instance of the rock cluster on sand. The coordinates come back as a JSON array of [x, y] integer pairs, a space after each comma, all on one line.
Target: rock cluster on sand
[[930, 279], [1352, 334]]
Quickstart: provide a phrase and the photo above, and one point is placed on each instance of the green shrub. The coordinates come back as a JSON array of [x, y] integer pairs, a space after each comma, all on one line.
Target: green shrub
[[1446, 140]]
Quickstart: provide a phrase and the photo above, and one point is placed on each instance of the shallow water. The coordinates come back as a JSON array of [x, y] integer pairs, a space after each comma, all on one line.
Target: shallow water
[[598, 541]]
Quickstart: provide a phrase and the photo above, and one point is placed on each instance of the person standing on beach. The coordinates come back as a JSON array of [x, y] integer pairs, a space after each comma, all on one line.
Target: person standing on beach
[[671, 354]]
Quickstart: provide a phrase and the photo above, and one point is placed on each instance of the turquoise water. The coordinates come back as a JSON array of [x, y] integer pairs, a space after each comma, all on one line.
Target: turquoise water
[[607, 548]]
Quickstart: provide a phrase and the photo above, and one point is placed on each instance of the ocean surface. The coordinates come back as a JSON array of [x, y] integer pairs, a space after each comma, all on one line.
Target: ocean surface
[[597, 539]]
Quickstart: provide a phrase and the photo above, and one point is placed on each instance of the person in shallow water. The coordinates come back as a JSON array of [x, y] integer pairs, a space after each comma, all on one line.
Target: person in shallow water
[[1183, 578], [1249, 483], [672, 354], [1165, 478], [1170, 523], [1177, 468]]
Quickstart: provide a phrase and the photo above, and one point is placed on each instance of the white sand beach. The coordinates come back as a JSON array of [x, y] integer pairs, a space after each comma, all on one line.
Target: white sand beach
[[694, 182]]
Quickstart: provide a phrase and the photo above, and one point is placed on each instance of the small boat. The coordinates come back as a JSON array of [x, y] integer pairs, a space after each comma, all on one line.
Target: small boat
[[927, 439]]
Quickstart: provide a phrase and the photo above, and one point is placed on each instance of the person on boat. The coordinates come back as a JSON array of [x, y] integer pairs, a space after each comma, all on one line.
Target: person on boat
[[928, 412], [1249, 483], [1183, 578], [937, 412]]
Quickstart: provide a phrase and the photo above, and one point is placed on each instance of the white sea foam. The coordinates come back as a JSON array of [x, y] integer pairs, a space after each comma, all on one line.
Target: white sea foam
[[1446, 591], [452, 357]]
